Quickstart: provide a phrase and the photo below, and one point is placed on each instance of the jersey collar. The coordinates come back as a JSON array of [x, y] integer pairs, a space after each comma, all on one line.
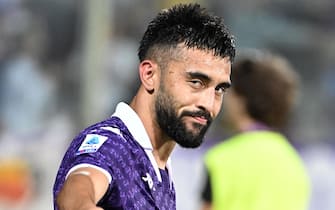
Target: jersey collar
[[137, 130], [133, 123]]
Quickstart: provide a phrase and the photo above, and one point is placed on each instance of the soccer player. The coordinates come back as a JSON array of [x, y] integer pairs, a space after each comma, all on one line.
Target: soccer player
[[257, 168], [123, 162]]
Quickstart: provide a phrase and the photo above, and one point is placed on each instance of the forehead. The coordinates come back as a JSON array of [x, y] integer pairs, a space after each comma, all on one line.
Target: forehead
[[195, 60]]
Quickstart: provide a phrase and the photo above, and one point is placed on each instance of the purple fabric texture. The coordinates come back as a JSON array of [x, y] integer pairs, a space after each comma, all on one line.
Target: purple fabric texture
[[134, 183]]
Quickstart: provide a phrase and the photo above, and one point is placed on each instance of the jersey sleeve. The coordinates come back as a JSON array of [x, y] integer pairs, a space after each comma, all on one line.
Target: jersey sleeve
[[97, 150]]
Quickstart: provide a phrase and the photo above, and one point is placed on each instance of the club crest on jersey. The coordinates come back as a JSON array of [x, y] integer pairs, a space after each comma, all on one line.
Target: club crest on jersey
[[91, 143]]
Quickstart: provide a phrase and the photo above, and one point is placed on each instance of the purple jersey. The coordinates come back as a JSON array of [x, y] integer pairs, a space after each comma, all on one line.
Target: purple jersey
[[120, 147]]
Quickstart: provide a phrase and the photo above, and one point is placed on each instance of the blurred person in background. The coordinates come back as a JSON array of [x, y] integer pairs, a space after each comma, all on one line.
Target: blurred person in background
[[123, 162], [31, 115], [257, 168], [26, 95]]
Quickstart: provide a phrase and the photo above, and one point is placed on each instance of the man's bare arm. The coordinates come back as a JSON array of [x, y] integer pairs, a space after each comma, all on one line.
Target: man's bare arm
[[82, 190]]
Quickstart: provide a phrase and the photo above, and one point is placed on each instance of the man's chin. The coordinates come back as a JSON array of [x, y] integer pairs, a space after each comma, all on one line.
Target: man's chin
[[190, 144]]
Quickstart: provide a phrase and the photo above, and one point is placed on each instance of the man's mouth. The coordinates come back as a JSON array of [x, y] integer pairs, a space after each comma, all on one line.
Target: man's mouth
[[201, 120], [200, 117]]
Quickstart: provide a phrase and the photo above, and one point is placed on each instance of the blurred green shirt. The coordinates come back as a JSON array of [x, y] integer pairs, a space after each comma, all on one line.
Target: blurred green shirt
[[257, 170]]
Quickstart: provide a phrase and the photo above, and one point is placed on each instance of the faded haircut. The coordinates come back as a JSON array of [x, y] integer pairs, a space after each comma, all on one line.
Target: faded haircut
[[190, 25]]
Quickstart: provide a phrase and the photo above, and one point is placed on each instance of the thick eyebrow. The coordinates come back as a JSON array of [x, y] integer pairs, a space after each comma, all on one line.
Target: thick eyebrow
[[206, 78]]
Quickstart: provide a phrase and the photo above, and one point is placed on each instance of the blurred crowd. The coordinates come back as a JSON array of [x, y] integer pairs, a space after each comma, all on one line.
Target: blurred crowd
[[66, 63]]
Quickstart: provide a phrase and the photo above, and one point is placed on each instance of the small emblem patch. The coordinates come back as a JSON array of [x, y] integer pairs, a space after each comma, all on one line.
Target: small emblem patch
[[91, 143]]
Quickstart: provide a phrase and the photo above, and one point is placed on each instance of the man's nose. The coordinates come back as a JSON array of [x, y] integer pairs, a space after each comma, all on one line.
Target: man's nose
[[207, 101]]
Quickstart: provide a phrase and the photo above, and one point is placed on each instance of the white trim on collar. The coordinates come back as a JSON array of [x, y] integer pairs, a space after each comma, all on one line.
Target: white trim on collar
[[137, 130], [134, 124]]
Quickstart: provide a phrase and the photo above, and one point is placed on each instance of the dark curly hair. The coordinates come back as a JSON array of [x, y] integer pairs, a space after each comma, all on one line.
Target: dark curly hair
[[188, 24], [268, 84]]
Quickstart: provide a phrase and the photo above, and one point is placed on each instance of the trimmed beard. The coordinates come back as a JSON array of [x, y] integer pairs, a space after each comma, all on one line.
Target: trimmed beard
[[174, 126]]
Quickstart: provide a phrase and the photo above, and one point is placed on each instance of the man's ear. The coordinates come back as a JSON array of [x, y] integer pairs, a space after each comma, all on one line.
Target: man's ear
[[148, 71]]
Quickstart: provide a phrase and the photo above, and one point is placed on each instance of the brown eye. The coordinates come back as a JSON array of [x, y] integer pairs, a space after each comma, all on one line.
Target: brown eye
[[220, 90], [196, 83]]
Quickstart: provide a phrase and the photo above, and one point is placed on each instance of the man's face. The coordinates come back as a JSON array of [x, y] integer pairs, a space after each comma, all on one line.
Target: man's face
[[173, 124], [190, 95]]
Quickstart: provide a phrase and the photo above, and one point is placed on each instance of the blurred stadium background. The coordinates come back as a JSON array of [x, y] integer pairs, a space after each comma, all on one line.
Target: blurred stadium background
[[64, 64]]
